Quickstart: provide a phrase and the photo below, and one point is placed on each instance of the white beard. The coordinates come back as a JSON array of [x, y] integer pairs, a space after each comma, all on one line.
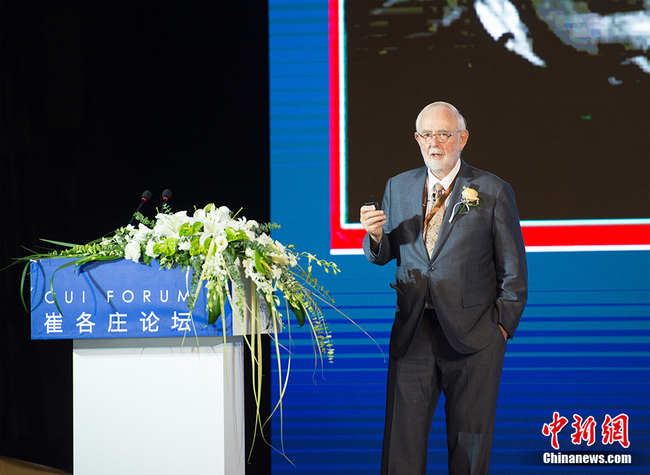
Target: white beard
[[442, 162]]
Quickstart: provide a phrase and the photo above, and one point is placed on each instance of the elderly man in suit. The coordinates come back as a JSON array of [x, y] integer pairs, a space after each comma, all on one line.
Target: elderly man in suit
[[461, 285]]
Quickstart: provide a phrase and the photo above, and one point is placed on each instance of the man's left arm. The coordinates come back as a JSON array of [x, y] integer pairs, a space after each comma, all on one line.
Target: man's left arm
[[510, 261]]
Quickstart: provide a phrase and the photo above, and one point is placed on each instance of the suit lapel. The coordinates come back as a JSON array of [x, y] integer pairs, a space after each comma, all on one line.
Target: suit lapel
[[415, 207], [415, 203], [462, 181]]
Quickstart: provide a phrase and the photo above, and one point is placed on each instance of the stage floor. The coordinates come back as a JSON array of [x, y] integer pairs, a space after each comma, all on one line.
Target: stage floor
[[9, 466]]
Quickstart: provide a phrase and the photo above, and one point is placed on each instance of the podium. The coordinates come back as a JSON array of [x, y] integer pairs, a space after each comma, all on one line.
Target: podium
[[154, 391], [158, 405]]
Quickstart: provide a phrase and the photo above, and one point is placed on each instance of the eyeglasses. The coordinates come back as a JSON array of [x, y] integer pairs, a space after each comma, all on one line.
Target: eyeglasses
[[442, 137]]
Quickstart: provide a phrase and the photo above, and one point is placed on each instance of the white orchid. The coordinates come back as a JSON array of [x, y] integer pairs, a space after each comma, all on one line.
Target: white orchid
[[141, 234], [281, 259], [149, 249], [132, 251], [266, 240]]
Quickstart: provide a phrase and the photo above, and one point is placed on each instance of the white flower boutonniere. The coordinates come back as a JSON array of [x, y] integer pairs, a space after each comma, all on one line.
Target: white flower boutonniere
[[468, 198]]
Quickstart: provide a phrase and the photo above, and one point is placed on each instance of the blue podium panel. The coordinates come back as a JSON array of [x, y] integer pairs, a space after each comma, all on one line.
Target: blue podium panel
[[116, 299]]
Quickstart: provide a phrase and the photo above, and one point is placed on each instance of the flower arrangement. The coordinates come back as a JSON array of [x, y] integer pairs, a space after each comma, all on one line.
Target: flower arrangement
[[468, 198], [222, 250]]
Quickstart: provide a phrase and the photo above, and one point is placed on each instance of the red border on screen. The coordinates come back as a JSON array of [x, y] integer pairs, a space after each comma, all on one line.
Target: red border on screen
[[598, 234]]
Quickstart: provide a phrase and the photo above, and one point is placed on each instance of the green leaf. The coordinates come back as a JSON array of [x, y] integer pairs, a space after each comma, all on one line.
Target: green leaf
[[299, 311], [187, 230], [269, 303], [22, 284], [60, 243], [214, 306], [197, 249], [260, 265], [78, 263], [167, 248], [235, 235]]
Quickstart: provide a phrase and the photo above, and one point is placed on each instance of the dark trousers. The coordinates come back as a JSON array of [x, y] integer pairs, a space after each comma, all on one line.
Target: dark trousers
[[470, 384]]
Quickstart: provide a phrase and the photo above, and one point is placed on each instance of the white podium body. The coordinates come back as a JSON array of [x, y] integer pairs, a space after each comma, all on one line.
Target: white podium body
[[158, 406]]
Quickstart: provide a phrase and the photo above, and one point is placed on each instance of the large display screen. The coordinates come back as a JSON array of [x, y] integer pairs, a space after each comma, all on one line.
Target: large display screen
[[545, 88]]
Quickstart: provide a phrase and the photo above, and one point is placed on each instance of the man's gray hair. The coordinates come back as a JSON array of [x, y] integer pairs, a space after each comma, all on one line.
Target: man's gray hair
[[459, 118]]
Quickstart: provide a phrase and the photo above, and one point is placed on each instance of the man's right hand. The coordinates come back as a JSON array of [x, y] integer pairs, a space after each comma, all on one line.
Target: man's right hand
[[372, 221]]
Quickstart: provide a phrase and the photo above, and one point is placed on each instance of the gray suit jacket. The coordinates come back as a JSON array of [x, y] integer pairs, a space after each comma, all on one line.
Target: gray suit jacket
[[477, 275]]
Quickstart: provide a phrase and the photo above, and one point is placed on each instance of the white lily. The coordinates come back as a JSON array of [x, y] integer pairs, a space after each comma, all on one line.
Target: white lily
[[169, 225]]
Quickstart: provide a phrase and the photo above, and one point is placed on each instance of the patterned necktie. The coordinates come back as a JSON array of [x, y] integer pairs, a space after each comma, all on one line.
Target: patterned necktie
[[433, 227]]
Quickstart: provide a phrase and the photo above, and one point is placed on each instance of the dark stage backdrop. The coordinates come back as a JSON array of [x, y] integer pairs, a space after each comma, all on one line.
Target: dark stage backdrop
[[101, 101]]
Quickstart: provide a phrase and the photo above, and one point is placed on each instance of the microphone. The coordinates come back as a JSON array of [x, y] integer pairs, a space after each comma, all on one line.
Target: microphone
[[166, 195], [146, 196]]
